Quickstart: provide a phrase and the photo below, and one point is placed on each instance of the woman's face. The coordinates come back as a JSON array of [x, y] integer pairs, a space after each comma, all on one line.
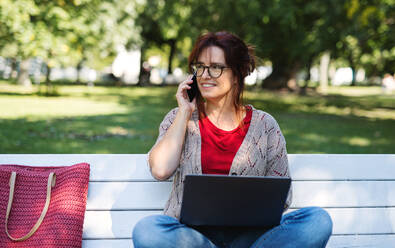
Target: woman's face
[[215, 89]]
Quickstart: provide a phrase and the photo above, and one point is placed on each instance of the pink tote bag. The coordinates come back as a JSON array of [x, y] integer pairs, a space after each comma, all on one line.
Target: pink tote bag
[[42, 206]]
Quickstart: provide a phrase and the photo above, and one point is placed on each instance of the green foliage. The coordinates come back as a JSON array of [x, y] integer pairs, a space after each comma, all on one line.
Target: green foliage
[[290, 34], [64, 33], [368, 39]]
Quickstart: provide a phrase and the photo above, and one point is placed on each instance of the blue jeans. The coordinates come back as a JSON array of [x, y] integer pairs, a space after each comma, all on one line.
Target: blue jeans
[[306, 227]]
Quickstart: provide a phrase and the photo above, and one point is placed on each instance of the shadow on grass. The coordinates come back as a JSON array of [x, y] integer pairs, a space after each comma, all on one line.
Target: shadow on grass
[[136, 132], [120, 133], [336, 105], [360, 102], [324, 133], [17, 94], [306, 130], [132, 132]]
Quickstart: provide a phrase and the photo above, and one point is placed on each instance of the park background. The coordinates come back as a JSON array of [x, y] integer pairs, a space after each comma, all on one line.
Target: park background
[[96, 76]]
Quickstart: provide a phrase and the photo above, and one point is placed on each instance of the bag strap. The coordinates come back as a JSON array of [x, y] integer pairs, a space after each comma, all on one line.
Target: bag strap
[[51, 184]]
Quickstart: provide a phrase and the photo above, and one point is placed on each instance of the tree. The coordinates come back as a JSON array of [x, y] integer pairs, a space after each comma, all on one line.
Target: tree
[[368, 39], [101, 28], [287, 33], [165, 23], [17, 32], [66, 33]]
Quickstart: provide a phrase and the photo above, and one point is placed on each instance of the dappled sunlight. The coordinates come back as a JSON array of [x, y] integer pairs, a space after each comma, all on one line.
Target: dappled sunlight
[[111, 194], [126, 119], [363, 103], [356, 91], [378, 113], [118, 130], [126, 168], [375, 113], [56, 107], [306, 172], [357, 141], [98, 224], [335, 134], [345, 220], [330, 194], [315, 137], [336, 193]]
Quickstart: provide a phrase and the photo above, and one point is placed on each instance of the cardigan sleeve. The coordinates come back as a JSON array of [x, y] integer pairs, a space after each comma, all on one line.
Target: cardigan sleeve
[[277, 160], [163, 127]]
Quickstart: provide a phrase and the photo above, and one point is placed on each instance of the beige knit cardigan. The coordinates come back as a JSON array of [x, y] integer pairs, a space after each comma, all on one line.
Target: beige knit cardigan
[[262, 153]]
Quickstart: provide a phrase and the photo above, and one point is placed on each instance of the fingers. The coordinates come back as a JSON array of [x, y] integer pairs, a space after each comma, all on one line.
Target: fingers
[[183, 88], [185, 85], [182, 95]]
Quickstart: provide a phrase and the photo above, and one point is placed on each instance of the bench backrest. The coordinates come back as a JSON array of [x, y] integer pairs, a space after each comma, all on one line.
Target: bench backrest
[[357, 190]]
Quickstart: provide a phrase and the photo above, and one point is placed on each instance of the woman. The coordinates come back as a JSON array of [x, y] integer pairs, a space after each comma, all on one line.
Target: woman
[[217, 134]]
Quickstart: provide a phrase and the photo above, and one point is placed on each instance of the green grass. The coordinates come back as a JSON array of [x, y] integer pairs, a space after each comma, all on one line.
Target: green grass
[[125, 120]]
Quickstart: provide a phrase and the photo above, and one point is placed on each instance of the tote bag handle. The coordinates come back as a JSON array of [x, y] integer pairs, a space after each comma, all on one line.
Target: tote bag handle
[[51, 184]]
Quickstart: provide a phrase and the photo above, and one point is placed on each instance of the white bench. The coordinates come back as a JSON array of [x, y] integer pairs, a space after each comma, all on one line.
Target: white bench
[[357, 190]]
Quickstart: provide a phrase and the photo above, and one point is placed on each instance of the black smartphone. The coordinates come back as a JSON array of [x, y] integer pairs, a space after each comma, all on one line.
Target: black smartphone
[[192, 92]]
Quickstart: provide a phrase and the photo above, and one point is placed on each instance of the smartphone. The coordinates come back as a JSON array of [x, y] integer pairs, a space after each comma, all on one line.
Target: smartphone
[[192, 92]]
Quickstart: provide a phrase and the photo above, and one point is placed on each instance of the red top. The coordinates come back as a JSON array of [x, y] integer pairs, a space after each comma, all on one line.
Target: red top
[[219, 147]]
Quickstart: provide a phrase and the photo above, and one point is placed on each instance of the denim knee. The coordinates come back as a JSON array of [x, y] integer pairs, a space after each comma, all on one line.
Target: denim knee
[[146, 232], [324, 219], [165, 232], [321, 222]]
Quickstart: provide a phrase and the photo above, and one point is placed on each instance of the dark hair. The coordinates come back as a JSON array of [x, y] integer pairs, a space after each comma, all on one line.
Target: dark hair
[[238, 56]]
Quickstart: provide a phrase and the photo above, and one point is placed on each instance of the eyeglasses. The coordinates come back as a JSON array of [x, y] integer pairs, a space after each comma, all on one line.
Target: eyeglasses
[[215, 71]]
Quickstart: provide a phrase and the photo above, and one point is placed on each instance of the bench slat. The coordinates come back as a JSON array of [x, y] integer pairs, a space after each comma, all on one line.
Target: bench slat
[[342, 166], [112, 224], [359, 196], [104, 167], [376, 241], [119, 224], [129, 195], [107, 243], [129, 167], [153, 195], [338, 241], [363, 220], [344, 194]]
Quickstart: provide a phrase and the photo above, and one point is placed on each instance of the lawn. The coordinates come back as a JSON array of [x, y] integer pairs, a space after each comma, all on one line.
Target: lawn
[[96, 119]]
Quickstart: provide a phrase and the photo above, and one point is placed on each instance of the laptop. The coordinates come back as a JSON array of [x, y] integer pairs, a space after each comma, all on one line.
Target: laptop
[[234, 201]]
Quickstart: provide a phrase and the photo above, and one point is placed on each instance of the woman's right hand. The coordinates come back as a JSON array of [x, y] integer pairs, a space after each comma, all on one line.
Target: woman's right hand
[[182, 96], [165, 156]]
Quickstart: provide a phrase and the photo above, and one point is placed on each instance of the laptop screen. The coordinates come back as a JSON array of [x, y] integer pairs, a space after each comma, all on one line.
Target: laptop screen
[[221, 200]]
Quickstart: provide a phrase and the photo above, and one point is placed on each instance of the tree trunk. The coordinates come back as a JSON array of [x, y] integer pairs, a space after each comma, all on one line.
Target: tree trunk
[[14, 69], [47, 74], [142, 75], [172, 43], [48, 81], [79, 67], [282, 76], [303, 90], [352, 65], [353, 81], [324, 69], [23, 75]]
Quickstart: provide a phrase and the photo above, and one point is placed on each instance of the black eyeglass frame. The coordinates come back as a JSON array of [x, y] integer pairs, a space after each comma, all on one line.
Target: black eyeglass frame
[[222, 67]]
